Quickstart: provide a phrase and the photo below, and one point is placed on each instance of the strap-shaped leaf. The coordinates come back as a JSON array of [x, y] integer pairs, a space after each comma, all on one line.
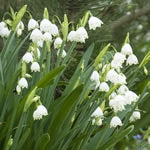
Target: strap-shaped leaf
[[42, 142]]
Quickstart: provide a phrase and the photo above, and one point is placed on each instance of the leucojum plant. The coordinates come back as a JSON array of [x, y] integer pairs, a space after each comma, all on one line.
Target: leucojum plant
[[96, 106]]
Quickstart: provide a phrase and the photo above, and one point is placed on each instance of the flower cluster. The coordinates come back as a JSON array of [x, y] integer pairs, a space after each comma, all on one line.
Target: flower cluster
[[110, 74]]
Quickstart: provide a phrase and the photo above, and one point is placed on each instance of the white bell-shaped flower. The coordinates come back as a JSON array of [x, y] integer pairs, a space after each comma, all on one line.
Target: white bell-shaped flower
[[63, 53], [20, 26], [118, 103], [40, 112], [53, 30], [104, 87], [4, 32], [115, 121], [94, 22], [95, 76], [45, 25], [19, 32], [132, 60], [2, 25], [97, 113], [81, 35], [72, 36], [135, 116], [47, 36], [27, 57], [130, 97], [22, 83], [32, 24], [35, 67], [18, 89], [122, 89], [126, 49], [57, 43], [112, 76], [118, 57], [36, 35]]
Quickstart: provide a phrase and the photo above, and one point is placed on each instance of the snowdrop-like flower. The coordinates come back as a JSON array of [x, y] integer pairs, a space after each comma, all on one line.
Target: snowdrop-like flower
[[94, 22], [2, 25], [63, 53], [104, 87], [121, 79], [40, 112], [116, 65], [126, 49], [4, 32], [95, 76], [27, 57], [97, 113], [45, 25], [20, 26], [32, 24], [23, 83], [81, 35], [18, 89], [112, 76], [47, 36], [35, 67], [117, 103], [135, 116], [57, 43], [53, 30], [19, 32], [72, 36], [118, 57], [97, 121], [113, 95], [130, 97], [123, 89], [132, 60], [36, 35], [115, 121]]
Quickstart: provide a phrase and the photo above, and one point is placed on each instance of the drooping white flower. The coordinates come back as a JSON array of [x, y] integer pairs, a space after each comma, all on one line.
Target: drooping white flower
[[132, 60], [116, 65], [23, 83], [115, 121], [81, 35], [122, 89], [35, 67], [63, 53], [57, 43], [97, 121], [72, 36], [97, 113], [130, 97], [47, 36], [19, 32], [118, 103], [20, 26], [27, 57], [40, 112], [45, 25], [32, 24], [126, 49], [104, 87], [95, 76], [135, 116], [94, 22], [112, 96], [121, 79], [112, 76], [118, 57], [53, 30], [18, 89], [36, 35], [4, 32], [2, 25]]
